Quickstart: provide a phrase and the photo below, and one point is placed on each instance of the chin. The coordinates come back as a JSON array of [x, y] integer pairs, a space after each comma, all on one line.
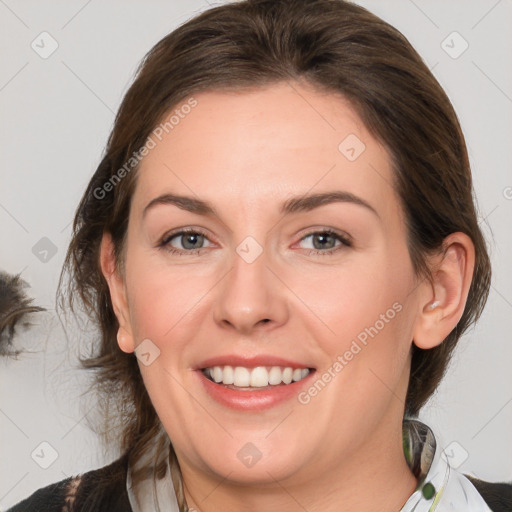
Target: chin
[[259, 462]]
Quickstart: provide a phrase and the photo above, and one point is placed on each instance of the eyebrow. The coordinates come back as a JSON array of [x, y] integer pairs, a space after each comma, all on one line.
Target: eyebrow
[[293, 205]]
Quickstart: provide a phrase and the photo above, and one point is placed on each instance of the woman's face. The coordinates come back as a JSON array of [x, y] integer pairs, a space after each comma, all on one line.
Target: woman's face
[[258, 178]]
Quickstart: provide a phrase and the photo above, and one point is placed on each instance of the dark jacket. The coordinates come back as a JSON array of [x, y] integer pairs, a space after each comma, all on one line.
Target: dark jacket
[[104, 490], [100, 490]]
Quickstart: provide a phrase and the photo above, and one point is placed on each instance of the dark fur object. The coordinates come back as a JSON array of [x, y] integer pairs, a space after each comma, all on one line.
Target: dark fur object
[[497, 495], [14, 307]]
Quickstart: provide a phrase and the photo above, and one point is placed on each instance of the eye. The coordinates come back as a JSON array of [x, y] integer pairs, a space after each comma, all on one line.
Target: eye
[[325, 242], [185, 241], [191, 241]]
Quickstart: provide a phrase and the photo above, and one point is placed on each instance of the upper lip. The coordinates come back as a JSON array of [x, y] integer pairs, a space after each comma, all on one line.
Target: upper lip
[[250, 362]]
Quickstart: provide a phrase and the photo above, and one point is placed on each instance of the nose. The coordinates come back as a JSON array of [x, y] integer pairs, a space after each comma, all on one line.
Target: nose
[[251, 297]]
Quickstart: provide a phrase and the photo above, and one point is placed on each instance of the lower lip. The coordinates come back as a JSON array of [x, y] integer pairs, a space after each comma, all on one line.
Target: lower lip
[[256, 400]]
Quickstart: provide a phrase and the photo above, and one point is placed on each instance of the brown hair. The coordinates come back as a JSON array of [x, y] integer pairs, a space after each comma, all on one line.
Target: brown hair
[[335, 46]]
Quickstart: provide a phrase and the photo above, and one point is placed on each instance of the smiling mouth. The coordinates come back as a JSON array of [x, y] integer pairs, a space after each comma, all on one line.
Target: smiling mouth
[[260, 377]]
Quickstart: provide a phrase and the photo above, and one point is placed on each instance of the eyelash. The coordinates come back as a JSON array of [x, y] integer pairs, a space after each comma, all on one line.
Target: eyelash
[[164, 244]]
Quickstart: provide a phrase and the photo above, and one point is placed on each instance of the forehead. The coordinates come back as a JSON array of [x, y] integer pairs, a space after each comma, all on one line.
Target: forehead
[[264, 144]]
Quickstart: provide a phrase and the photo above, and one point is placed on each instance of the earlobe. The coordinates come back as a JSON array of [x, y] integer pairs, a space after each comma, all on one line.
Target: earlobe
[[117, 290], [125, 341], [442, 304]]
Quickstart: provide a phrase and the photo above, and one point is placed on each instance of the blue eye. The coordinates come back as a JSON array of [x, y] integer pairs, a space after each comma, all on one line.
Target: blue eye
[[326, 242], [190, 240]]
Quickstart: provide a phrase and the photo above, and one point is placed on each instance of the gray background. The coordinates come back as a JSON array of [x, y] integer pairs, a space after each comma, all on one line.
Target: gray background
[[56, 114]]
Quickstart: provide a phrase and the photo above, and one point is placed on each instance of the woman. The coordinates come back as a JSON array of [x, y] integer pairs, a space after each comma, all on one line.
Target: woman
[[281, 251]]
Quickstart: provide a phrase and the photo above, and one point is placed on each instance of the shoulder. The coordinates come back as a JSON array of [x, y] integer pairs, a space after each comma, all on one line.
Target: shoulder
[[497, 495], [103, 489]]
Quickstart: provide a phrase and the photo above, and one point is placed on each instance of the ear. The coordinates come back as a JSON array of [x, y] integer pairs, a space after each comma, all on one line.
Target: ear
[[117, 289], [442, 303]]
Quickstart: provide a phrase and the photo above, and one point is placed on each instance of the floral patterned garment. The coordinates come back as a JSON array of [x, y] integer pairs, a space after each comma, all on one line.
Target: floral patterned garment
[[440, 487]]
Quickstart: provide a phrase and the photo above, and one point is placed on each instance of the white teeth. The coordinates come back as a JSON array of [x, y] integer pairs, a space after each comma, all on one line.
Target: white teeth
[[242, 377], [258, 377], [287, 375], [217, 374], [275, 376], [228, 375]]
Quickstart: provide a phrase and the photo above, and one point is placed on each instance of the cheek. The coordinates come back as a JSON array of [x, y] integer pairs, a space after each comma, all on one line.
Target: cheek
[[163, 299], [366, 323], [347, 300]]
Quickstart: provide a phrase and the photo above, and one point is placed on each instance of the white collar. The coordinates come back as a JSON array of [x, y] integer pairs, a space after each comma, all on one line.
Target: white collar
[[450, 491], [153, 494]]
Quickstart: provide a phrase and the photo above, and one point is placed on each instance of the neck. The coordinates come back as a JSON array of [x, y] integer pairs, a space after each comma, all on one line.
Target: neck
[[375, 477]]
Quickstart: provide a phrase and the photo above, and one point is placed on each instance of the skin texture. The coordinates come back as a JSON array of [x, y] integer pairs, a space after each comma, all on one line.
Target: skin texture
[[246, 153]]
